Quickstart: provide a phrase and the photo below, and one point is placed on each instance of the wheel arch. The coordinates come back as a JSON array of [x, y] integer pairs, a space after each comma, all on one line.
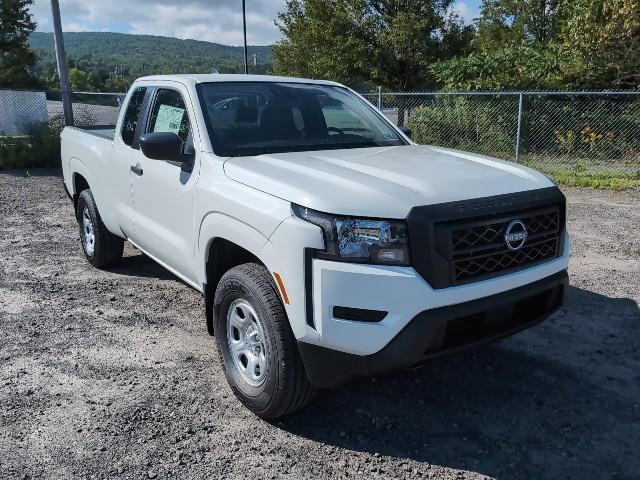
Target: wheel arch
[[80, 179], [226, 242], [80, 183]]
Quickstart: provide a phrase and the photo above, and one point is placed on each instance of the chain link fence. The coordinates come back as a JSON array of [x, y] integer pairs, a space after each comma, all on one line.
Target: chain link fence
[[90, 109], [31, 122], [582, 133], [24, 111]]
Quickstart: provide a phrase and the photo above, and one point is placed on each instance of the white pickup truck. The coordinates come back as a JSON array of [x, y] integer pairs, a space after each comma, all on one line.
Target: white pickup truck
[[326, 243]]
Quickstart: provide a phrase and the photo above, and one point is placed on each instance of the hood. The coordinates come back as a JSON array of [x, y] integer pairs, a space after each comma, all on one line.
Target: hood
[[383, 182]]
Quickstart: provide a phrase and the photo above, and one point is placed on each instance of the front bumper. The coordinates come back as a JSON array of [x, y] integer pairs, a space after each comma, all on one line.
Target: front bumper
[[441, 331], [399, 292]]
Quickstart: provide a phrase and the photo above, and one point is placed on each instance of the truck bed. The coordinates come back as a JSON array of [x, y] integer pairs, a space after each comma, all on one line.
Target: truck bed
[[90, 150]]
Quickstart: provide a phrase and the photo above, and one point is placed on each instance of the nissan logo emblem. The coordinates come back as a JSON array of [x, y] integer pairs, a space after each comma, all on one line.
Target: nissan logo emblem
[[515, 235]]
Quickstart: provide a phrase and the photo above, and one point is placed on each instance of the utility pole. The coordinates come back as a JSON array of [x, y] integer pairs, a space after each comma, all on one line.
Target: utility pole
[[244, 27], [67, 105]]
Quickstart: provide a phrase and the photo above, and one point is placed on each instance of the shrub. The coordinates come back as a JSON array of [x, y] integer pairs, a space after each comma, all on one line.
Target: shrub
[[586, 127], [467, 123], [564, 133], [39, 149]]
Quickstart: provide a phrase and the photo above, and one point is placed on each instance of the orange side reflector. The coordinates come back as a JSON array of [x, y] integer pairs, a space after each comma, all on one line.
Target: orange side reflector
[[280, 283]]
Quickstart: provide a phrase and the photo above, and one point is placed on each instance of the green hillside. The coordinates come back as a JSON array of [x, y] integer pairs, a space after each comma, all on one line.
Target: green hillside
[[104, 53]]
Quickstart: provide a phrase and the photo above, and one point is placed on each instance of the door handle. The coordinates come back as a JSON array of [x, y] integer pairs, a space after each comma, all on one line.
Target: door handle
[[136, 169]]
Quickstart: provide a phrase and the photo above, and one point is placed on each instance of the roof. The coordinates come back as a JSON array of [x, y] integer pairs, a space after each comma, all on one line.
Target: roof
[[194, 79]]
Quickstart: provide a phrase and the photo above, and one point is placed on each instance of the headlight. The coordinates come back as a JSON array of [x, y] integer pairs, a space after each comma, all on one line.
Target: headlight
[[361, 240]]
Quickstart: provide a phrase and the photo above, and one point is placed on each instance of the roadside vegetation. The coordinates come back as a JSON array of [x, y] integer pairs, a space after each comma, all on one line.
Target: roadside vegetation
[[594, 143], [39, 149]]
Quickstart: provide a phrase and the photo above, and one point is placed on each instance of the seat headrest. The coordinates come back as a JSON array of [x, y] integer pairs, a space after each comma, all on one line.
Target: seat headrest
[[246, 114], [277, 121]]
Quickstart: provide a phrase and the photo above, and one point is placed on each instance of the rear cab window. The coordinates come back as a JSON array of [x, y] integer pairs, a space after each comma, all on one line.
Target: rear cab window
[[132, 115]]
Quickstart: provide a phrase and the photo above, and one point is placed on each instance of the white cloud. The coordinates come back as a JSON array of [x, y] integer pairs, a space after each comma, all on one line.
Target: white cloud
[[217, 21], [73, 27]]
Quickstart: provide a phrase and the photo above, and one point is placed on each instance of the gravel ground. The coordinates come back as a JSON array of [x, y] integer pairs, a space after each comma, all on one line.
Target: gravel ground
[[112, 374]]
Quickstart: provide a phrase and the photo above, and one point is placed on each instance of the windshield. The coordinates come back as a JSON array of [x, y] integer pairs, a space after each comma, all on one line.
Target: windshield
[[254, 118]]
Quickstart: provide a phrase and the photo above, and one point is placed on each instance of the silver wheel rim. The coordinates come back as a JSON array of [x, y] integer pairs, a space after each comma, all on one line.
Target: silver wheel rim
[[88, 237], [245, 338]]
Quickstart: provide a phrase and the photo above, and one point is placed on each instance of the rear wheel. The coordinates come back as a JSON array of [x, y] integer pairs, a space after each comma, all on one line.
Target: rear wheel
[[257, 348], [102, 248]]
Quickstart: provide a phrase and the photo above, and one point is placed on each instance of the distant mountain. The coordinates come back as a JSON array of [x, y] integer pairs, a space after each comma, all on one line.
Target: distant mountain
[[138, 55]]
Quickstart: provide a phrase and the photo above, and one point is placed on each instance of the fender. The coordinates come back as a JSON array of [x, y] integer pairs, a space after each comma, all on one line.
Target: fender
[[285, 253], [78, 167], [294, 285], [220, 225]]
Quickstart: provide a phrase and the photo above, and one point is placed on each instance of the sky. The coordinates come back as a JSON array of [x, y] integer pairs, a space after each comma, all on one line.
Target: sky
[[218, 21]]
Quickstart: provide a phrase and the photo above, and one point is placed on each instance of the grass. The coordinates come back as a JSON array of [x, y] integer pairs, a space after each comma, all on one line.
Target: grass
[[572, 172], [14, 139], [596, 181], [575, 171]]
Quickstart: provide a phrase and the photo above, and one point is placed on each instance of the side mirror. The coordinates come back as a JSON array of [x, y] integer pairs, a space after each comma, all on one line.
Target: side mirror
[[405, 130], [161, 146]]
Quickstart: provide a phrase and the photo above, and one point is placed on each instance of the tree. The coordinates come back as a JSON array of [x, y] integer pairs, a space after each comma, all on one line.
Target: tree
[[98, 76], [391, 43], [79, 80], [515, 48], [550, 44], [526, 66], [116, 84], [513, 22], [604, 36], [16, 57]]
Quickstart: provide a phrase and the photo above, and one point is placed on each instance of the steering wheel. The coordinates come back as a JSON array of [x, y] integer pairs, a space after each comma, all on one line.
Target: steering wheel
[[335, 129]]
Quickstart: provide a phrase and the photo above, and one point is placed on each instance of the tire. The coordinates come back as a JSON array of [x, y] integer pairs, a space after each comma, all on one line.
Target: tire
[[102, 248], [246, 299]]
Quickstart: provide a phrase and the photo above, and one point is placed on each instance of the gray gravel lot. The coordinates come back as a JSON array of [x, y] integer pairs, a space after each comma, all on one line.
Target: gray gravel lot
[[112, 374]]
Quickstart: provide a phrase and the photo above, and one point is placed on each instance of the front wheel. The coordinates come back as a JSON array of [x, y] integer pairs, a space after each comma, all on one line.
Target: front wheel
[[256, 346]]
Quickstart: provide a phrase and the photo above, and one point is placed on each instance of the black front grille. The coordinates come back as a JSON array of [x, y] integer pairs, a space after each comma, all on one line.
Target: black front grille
[[461, 242], [469, 268], [479, 248], [481, 236]]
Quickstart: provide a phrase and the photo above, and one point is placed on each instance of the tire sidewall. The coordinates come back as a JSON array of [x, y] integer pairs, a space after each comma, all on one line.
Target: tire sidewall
[[257, 399], [85, 200]]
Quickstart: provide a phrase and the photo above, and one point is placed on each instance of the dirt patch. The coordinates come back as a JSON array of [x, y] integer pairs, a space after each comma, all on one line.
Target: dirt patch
[[110, 374]]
